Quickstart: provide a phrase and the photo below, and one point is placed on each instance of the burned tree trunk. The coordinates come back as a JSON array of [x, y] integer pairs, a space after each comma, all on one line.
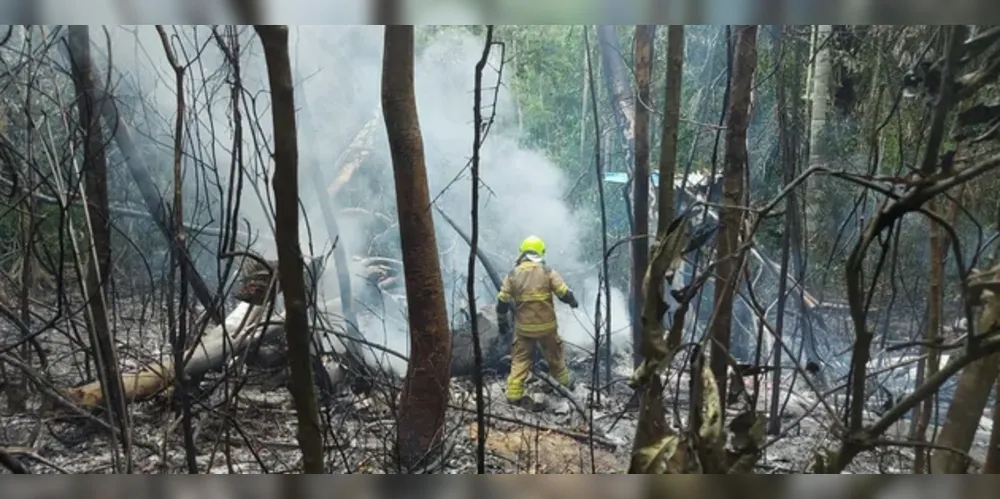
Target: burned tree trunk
[[731, 215], [652, 424], [670, 128], [95, 179], [976, 381], [425, 391], [290, 264], [95, 169], [933, 330], [644, 35], [787, 160]]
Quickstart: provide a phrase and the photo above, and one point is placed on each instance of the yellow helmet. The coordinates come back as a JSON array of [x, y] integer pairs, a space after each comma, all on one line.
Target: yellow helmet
[[533, 244]]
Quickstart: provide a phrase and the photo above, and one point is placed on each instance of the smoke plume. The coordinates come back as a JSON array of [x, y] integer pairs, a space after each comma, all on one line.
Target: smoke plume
[[337, 74]]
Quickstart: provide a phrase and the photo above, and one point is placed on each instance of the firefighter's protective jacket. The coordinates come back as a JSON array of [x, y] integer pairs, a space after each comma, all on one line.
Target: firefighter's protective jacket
[[530, 287]]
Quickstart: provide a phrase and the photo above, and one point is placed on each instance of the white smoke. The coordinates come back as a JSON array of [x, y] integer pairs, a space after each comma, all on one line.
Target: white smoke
[[337, 74]]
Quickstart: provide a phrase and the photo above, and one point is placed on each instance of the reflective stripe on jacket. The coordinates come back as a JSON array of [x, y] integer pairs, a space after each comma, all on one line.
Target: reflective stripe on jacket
[[530, 286]]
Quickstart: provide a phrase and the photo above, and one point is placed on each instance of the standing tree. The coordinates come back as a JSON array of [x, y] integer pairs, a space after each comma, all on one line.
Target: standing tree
[[972, 390], [652, 424], [819, 83], [274, 39], [731, 215], [786, 155], [931, 334], [640, 184], [425, 391], [95, 179], [616, 78]]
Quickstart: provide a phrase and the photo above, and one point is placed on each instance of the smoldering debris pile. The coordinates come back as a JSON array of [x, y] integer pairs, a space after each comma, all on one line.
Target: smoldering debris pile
[[244, 418], [243, 426]]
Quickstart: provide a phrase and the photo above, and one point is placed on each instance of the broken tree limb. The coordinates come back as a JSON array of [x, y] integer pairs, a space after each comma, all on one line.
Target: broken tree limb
[[487, 263], [12, 464], [150, 194], [355, 154], [219, 344]]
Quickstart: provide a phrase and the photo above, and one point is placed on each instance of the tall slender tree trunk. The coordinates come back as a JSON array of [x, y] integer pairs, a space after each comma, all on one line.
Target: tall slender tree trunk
[[795, 56], [94, 163], [95, 179], [786, 154], [976, 381], [178, 322], [652, 422], [644, 35], [18, 386], [616, 79], [731, 216], [584, 96], [819, 98], [973, 388], [274, 39], [425, 391], [670, 127], [933, 329], [622, 103]]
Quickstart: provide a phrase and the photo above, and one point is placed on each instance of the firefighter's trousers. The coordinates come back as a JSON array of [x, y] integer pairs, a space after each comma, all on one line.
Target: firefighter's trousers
[[520, 361]]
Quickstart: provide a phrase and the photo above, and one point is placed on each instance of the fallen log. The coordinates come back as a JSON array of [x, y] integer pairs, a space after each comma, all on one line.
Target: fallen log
[[242, 331], [233, 338]]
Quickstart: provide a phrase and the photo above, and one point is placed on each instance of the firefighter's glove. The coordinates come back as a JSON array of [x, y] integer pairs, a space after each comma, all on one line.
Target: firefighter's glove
[[504, 327], [571, 300]]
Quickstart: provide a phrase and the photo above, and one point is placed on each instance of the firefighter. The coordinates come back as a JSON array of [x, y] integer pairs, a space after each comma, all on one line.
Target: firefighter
[[529, 287]]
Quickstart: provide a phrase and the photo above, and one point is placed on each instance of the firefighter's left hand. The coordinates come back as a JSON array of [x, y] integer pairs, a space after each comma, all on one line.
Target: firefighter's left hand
[[572, 302]]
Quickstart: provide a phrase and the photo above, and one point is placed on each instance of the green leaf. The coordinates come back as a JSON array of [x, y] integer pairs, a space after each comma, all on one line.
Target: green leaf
[[652, 459]]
